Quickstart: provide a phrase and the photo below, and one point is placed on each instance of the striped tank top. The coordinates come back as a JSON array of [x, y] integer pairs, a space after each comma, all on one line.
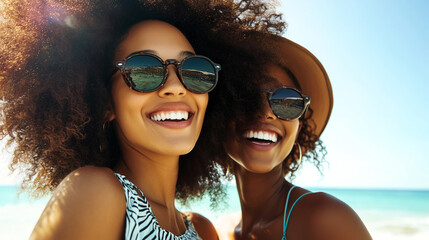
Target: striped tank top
[[140, 222]]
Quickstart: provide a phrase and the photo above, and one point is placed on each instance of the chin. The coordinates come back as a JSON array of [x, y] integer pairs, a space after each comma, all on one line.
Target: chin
[[179, 150], [259, 167]]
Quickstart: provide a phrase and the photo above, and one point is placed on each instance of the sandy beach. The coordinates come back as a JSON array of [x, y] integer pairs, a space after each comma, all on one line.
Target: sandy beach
[[384, 220]]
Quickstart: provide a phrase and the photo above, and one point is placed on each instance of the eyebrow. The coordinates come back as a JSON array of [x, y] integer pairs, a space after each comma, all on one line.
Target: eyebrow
[[186, 53], [182, 54]]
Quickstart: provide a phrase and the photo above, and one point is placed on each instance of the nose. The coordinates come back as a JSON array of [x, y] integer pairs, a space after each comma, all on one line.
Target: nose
[[268, 112], [173, 86]]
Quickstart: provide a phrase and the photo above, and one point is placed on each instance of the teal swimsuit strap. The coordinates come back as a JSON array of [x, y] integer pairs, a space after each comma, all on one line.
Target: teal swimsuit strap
[[286, 220]]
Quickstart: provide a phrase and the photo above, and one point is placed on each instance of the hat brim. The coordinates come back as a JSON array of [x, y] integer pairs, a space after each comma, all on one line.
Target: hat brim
[[311, 76]]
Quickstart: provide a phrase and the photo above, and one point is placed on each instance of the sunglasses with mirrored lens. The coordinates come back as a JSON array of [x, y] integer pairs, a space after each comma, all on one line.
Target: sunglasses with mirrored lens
[[287, 103], [146, 72]]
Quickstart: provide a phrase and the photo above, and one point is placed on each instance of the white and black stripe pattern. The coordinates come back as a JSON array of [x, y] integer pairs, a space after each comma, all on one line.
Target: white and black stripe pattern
[[140, 222]]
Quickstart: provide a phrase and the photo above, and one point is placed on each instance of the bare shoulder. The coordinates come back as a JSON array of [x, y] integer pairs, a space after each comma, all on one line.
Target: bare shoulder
[[91, 177], [88, 204], [203, 226], [90, 184], [330, 218]]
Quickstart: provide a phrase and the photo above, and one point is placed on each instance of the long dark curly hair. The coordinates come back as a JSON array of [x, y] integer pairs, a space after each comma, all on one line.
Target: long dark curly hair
[[55, 65]]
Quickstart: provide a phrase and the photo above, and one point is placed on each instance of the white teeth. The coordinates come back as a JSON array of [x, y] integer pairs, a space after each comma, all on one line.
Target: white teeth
[[162, 116], [266, 136], [262, 135]]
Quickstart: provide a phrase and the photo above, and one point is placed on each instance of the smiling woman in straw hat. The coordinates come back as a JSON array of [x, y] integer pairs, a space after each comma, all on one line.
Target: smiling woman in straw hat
[[274, 114]]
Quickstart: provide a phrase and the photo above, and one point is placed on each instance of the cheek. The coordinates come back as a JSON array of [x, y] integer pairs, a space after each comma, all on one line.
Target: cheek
[[202, 100], [236, 148], [125, 100], [121, 95], [288, 142], [292, 129], [232, 149], [128, 105]]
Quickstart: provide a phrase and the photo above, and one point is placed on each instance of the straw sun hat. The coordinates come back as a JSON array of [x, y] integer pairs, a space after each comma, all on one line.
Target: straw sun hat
[[311, 76]]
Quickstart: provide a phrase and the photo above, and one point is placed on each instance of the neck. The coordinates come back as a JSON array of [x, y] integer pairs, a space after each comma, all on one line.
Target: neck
[[154, 174], [262, 196]]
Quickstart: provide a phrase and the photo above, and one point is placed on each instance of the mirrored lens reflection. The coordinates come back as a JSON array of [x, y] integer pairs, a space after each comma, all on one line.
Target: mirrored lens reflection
[[198, 74], [145, 72], [287, 103]]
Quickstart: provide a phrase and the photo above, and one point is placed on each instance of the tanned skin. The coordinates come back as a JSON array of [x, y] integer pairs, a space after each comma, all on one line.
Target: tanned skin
[[263, 189], [90, 202]]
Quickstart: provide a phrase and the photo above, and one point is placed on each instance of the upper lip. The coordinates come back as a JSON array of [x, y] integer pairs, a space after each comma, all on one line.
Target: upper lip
[[172, 106]]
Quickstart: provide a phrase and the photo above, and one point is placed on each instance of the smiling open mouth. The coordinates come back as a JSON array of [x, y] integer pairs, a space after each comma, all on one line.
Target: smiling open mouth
[[175, 116], [262, 137]]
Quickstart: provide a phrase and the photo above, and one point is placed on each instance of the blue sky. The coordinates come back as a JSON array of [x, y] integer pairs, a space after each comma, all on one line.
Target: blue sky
[[376, 54]]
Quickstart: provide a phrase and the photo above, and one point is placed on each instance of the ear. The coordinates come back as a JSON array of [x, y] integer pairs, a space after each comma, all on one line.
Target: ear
[[109, 115]]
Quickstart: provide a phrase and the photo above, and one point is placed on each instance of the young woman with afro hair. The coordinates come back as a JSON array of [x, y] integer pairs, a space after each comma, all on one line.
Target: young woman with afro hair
[[102, 101]]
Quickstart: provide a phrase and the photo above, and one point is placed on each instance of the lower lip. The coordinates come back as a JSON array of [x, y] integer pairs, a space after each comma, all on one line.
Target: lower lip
[[260, 146], [174, 124]]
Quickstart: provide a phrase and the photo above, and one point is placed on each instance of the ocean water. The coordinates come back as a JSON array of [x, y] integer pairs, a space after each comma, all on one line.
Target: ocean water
[[388, 214]]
